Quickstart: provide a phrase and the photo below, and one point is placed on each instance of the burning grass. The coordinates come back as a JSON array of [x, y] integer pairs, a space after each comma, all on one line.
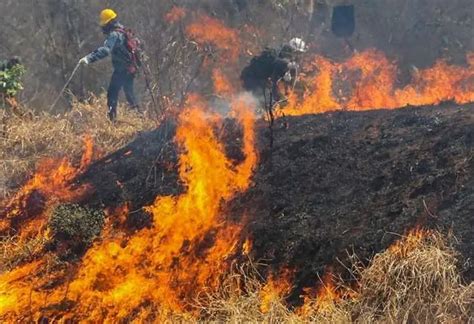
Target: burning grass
[[414, 281], [142, 272], [368, 80], [29, 141]]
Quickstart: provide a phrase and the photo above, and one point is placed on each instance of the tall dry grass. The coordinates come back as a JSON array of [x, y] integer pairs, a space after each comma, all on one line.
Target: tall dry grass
[[417, 281], [26, 141]]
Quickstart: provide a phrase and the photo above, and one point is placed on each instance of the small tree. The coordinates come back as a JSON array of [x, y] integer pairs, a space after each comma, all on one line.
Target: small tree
[[11, 80]]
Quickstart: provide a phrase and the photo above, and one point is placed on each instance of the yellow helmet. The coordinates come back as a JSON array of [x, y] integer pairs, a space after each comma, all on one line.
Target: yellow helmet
[[106, 16]]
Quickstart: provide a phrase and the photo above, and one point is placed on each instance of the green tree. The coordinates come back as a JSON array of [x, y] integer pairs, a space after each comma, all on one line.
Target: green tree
[[11, 80]]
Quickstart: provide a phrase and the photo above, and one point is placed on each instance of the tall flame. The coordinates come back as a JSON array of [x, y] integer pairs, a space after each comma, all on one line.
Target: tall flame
[[161, 268]]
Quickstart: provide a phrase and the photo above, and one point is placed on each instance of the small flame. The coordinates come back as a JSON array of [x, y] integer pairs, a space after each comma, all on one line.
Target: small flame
[[275, 289], [222, 85], [324, 298], [247, 247], [327, 295], [409, 243]]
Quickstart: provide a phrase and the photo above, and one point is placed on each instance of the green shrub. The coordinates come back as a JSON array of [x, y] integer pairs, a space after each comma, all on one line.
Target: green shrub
[[75, 225], [10, 80]]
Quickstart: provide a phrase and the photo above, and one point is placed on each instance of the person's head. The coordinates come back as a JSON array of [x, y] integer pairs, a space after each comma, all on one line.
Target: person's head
[[107, 18]]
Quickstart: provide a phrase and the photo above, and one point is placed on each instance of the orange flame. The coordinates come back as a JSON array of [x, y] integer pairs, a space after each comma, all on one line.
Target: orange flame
[[371, 78], [324, 298], [247, 247], [207, 30], [51, 184], [327, 294], [222, 85], [163, 267], [409, 242], [275, 289]]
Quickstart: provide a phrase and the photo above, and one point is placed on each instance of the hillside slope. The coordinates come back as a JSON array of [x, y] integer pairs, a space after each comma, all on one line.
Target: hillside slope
[[355, 181], [336, 182]]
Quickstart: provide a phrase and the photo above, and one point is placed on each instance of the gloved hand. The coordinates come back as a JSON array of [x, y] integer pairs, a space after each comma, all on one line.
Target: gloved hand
[[84, 60], [287, 76], [292, 65]]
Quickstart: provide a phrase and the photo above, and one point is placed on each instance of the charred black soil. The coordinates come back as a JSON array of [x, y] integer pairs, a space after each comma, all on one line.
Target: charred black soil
[[333, 184], [355, 181]]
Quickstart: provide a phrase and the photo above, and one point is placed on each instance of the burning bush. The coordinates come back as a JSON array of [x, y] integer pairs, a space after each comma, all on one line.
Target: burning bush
[[74, 227]]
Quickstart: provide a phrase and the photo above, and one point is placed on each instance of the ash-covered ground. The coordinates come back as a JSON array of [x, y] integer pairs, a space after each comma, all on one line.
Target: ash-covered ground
[[354, 181]]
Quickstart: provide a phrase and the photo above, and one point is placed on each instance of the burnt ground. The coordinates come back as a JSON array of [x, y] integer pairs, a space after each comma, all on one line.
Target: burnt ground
[[333, 183], [354, 181]]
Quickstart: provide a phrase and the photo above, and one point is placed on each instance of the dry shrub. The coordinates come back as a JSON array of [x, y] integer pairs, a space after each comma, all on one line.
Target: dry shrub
[[416, 281], [28, 140], [239, 300]]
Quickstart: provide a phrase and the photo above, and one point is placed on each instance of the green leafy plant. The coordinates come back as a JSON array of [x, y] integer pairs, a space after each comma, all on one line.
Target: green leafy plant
[[11, 80]]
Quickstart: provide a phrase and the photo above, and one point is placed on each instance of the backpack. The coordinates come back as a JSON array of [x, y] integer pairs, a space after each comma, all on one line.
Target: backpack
[[259, 70], [134, 48]]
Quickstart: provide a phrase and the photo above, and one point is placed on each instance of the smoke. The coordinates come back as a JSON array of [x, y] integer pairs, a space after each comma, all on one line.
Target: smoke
[[223, 105]]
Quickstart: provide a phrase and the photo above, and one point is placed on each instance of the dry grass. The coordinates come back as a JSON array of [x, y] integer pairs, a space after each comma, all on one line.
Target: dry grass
[[27, 141], [418, 284], [416, 281], [14, 252]]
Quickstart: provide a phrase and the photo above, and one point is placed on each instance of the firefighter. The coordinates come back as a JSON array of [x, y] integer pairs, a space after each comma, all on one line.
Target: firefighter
[[273, 66], [125, 68]]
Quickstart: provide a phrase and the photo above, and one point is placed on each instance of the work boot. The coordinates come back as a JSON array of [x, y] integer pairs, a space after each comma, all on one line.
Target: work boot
[[112, 114]]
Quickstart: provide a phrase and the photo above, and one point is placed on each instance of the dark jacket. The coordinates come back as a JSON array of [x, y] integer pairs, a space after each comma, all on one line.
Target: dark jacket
[[270, 64], [115, 45]]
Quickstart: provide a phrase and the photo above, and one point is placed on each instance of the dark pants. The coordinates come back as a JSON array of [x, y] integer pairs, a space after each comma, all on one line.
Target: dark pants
[[120, 79]]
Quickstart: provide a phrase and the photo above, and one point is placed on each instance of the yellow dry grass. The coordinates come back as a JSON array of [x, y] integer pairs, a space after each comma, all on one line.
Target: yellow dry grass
[[26, 141], [420, 284]]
